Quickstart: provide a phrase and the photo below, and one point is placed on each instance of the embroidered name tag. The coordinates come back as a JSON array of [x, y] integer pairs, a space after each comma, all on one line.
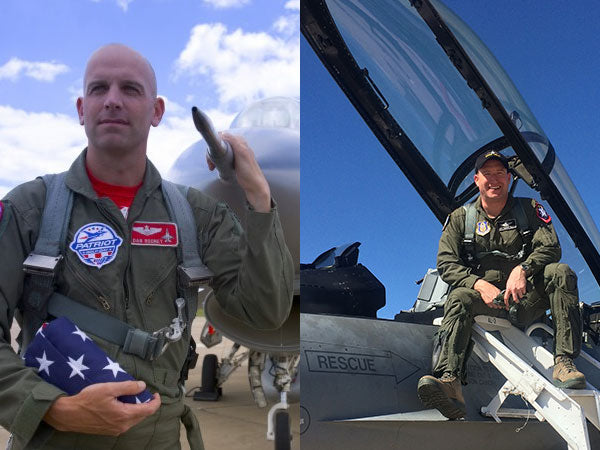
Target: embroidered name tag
[[160, 234], [509, 224], [482, 228], [96, 244]]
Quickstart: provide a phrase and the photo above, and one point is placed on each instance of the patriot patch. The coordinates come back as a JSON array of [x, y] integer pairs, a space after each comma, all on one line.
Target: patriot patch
[[160, 234], [542, 214], [96, 244], [482, 228], [67, 358]]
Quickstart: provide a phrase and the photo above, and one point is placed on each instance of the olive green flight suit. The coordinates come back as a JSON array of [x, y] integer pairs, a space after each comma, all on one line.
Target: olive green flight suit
[[550, 284], [253, 282]]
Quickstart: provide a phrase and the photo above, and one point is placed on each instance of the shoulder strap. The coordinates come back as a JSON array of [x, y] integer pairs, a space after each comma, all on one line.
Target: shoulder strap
[[521, 216], [41, 265], [56, 216], [181, 212], [469, 237], [192, 272]]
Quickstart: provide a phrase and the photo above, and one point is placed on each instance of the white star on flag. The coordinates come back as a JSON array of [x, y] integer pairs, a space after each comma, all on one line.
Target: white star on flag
[[81, 334], [77, 366], [114, 367], [40, 331], [44, 364], [73, 352]]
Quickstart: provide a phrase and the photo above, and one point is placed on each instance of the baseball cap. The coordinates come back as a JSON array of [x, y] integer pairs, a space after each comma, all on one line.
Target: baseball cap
[[485, 157]]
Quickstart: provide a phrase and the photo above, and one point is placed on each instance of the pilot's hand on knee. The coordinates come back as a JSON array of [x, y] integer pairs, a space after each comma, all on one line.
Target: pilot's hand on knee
[[248, 173], [96, 410], [488, 293]]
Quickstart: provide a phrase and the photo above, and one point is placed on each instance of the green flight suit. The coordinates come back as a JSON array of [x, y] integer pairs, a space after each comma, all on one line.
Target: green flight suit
[[550, 284], [253, 282]]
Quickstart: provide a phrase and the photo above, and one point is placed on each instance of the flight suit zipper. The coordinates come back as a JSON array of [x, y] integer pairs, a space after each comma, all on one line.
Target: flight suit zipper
[[126, 234], [160, 281], [89, 285]]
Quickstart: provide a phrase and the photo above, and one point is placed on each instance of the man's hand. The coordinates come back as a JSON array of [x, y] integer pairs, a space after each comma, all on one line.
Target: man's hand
[[96, 410], [516, 285], [488, 293], [248, 173]]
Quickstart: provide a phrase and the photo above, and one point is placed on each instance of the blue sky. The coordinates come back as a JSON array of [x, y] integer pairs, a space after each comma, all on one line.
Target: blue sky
[[219, 55], [352, 190]]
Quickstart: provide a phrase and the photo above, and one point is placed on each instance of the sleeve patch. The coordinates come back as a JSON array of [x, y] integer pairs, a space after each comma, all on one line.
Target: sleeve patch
[[542, 214]]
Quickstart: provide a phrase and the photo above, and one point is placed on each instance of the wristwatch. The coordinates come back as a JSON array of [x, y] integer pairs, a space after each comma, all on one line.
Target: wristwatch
[[527, 268]]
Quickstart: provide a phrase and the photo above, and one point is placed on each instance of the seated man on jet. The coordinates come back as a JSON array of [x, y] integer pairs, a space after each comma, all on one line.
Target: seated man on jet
[[500, 243]]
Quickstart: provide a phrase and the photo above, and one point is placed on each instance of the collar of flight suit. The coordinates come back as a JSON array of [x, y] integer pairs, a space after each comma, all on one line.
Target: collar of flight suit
[[78, 181], [507, 207]]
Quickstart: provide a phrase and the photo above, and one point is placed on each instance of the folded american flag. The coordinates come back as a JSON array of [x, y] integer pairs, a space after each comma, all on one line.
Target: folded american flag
[[67, 358]]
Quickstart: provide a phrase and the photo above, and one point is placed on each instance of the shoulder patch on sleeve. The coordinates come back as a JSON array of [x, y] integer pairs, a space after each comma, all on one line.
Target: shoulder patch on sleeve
[[541, 213]]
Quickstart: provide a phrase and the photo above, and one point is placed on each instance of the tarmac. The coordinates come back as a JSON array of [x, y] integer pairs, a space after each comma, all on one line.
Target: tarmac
[[234, 422]]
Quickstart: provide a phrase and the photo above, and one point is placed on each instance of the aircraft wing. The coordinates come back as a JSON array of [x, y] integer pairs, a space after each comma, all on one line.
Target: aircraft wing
[[436, 98]]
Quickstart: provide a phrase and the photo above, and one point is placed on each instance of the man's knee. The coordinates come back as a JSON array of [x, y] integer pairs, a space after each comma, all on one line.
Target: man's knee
[[560, 276], [460, 301]]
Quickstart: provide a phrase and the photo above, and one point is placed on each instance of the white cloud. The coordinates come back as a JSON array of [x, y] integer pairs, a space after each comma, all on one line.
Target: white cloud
[[35, 143], [220, 4], [293, 4], [124, 4], [75, 90], [244, 66], [287, 25], [38, 70], [174, 108]]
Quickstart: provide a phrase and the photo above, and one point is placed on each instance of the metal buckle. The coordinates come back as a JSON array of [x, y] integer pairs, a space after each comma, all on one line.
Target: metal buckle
[[173, 332], [41, 264], [195, 276]]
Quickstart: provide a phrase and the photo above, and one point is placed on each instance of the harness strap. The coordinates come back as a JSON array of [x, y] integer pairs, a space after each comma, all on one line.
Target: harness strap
[[523, 223], [469, 238], [39, 297], [41, 265], [56, 217], [472, 256], [133, 340], [191, 272]]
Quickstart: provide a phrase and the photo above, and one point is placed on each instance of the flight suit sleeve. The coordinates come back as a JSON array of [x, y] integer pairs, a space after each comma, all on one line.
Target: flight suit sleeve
[[24, 396], [545, 248], [253, 270], [450, 264]]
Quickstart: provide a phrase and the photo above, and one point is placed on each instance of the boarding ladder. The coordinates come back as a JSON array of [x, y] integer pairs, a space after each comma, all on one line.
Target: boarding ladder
[[565, 410]]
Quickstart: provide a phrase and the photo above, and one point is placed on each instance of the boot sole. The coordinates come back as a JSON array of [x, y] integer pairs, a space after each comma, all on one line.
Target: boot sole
[[433, 397], [570, 384]]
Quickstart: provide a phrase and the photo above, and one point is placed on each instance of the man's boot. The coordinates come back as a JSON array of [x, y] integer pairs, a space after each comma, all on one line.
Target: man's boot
[[443, 394], [566, 375]]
